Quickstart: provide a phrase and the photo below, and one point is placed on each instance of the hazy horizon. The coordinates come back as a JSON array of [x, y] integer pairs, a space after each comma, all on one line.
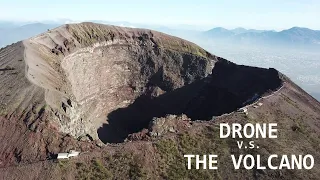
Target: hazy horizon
[[140, 25], [249, 14]]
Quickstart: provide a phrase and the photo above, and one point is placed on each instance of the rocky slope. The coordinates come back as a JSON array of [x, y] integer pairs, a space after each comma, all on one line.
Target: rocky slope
[[81, 85]]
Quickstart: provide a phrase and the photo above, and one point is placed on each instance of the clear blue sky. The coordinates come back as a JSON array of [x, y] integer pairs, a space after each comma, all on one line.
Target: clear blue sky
[[259, 14]]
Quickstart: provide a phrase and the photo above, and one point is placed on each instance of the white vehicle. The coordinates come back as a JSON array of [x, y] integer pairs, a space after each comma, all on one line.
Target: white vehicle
[[243, 110], [72, 153]]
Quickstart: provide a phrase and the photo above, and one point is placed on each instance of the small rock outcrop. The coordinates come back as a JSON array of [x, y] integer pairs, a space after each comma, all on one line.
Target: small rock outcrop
[[170, 123]]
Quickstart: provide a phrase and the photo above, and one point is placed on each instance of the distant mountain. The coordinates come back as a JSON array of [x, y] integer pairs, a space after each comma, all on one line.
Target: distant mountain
[[298, 34], [11, 33], [292, 36], [219, 32], [225, 32], [241, 30]]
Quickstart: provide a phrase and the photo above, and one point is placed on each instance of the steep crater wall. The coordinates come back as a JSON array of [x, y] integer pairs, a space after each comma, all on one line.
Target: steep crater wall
[[228, 88], [90, 70]]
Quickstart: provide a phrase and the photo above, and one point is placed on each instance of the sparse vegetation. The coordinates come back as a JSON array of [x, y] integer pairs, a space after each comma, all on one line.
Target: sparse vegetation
[[179, 45], [174, 166], [63, 164], [95, 170], [288, 100], [116, 166], [126, 165], [137, 170]]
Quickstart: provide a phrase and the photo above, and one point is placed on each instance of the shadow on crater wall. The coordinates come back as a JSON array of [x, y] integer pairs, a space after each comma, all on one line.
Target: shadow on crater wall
[[228, 88]]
